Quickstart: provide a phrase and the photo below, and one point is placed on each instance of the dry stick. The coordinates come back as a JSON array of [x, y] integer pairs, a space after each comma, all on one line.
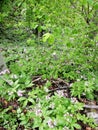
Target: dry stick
[[61, 88], [91, 106], [58, 81], [85, 106], [39, 78]]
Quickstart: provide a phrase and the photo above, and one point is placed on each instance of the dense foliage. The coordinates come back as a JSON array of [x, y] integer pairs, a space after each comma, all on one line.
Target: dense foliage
[[51, 50]]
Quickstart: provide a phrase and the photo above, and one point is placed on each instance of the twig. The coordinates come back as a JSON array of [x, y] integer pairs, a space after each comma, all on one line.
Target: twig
[[39, 78], [58, 81], [61, 88], [91, 106]]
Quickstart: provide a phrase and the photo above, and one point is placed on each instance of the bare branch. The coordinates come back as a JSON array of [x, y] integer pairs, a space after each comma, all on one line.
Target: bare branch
[[91, 106]]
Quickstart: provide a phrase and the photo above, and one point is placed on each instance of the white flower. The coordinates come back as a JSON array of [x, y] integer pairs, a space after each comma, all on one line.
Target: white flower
[[52, 105], [78, 71], [60, 93], [10, 93], [14, 76], [4, 72], [78, 80], [71, 84], [25, 50], [46, 90], [51, 123], [47, 97], [86, 83], [66, 114], [65, 128], [54, 53], [82, 77], [74, 100], [38, 112], [20, 93]]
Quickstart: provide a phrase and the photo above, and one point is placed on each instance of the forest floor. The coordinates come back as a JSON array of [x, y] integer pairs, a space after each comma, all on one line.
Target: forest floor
[[48, 75]]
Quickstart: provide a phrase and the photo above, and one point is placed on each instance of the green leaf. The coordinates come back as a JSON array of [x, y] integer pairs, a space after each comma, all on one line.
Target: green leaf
[[96, 6], [77, 126], [37, 122], [24, 122], [48, 37], [90, 1], [21, 99], [31, 100], [25, 103]]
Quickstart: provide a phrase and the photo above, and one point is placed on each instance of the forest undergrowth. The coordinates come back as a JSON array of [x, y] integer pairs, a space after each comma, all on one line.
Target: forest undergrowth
[[50, 77], [49, 87]]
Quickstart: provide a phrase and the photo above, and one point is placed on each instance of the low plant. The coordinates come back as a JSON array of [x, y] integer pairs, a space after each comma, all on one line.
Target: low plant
[[29, 106]]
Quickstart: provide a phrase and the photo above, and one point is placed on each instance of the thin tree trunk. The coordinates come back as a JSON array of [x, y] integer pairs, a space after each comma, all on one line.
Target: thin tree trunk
[[3, 67]]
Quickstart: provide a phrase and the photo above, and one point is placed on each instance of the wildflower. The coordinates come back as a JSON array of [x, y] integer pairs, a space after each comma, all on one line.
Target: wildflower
[[20, 93], [14, 76], [46, 90], [93, 79], [86, 83], [51, 123], [71, 84], [82, 77], [52, 106], [60, 93], [54, 53], [47, 97], [10, 93], [78, 71], [4, 72], [74, 100], [24, 50], [38, 112], [78, 80], [67, 114], [65, 128]]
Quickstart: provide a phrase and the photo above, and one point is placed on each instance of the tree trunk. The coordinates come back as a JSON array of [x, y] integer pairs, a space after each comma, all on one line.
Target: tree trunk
[[3, 67]]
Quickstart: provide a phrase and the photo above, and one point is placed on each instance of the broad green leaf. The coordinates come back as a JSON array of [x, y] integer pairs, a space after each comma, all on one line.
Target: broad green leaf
[[48, 37], [96, 6], [77, 126]]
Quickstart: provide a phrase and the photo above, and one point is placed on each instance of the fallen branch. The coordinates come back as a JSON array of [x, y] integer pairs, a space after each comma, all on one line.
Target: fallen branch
[[91, 106], [35, 80], [61, 88]]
